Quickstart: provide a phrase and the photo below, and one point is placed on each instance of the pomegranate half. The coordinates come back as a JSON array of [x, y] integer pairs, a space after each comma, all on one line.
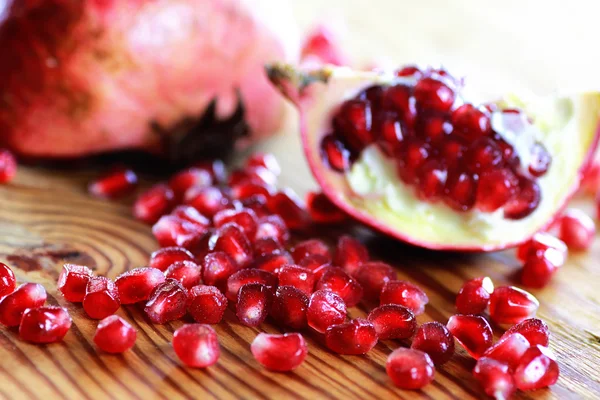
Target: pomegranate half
[[405, 153]]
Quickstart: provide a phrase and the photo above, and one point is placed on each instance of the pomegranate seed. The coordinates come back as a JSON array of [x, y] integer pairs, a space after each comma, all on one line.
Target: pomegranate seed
[[206, 304], [230, 239], [272, 263], [452, 153], [372, 276], [258, 175], [339, 282], [136, 285], [405, 294], [163, 258], [216, 168], [322, 210], [196, 345], [353, 122], [174, 231], [534, 330], [188, 273], [525, 202], [317, 264], [391, 136], [470, 123], [577, 230], [334, 154], [508, 350], [253, 303], [167, 302], [217, 267], [264, 160], [495, 189], [115, 335], [473, 332], [409, 70], [289, 307], [44, 324], [309, 248], [537, 369], [8, 282], [268, 247], [474, 296], [12, 307], [436, 340], [325, 309], [299, 277], [191, 177], [8, 166], [101, 298], [415, 154], [540, 160], [245, 276], [350, 254], [272, 227], [483, 155], [279, 352], [432, 178], [355, 337], [114, 185], [154, 203], [495, 378], [399, 99], [245, 218], [207, 200], [434, 128], [73, 281], [190, 214], [537, 270], [409, 368], [289, 207], [544, 242], [392, 321], [510, 305], [460, 191], [250, 190], [434, 95]]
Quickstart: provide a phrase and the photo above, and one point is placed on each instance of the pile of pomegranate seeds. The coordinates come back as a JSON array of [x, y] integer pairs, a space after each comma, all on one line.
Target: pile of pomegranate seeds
[[8, 166], [114, 185]]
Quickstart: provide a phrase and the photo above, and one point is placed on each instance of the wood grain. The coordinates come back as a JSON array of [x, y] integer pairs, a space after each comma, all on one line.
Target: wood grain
[[47, 218]]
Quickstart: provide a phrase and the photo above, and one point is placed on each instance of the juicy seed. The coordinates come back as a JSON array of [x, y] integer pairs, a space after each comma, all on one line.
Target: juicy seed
[[167, 302], [136, 285], [355, 337], [274, 262], [508, 350], [272, 227], [188, 273], [325, 309], [322, 210], [217, 267], [154, 203], [187, 178], [230, 239], [8, 166], [405, 294], [73, 281], [264, 160], [335, 154], [114, 185], [279, 352], [533, 329], [436, 340], [101, 298], [510, 305], [473, 332], [334, 279], [289, 307], [372, 276], [207, 200], [174, 231], [309, 248], [27, 295], [542, 242], [299, 277], [253, 303], [350, 254], [474, 296], [317, 264], [115, 335], [409, 368], [245, 218], [245, 276], [8, 282], [537, 369], [577, 230], [206, 304], [44, 324], [289, 207], [162, 259], [268, 247], [392, 321], [495, 378], [196, 345], [538, 270]]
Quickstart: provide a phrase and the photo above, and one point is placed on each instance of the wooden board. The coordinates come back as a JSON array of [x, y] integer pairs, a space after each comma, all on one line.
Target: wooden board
[[46, 219]]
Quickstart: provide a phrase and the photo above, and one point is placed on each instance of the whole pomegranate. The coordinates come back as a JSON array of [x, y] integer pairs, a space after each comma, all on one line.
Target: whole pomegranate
[[179, 78]]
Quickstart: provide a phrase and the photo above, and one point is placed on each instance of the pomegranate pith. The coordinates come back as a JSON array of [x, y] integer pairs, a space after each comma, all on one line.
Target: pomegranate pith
[[73, 281], [436, 340], [196, 345], [474, 296], [44, 324], [27, 295], [495, 378], [355, 337], [409, 368], [115, 335], [136, 285], [279, 352], [536, 369]]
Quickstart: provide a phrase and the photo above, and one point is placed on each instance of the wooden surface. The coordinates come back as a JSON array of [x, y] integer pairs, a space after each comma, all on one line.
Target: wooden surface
[[46, 218]]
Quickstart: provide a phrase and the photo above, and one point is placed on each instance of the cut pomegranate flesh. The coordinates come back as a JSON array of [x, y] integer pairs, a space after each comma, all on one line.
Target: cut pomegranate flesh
[[325, 309], [115, 335], [114, 185], [373, 276], [510, 305], [73, 281], [154, 203], [279, 352], [355, 337], [533, 329], [405, 294], [231, 239], [274, 262], [188, 273], [136, 285], [170, 230], [196, 345], [350, 254], [289, 307], [206, 304], [310, 248], [473, 332], [577, 230], [299, 277], [27, 295], [167, 302], [101, 298], [8, 282], [207, 200], [44, 324], [322, 210], [537, 369], [409, 368], [245, 276], [392, 321], [495, 378], [339, 282], [474, 296], [436, 340], [162, 259], [217, 267], [253, 303], [8, 166]]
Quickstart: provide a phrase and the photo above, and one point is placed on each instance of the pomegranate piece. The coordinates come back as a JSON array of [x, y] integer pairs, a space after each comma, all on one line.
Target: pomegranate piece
[[206, 304], [577, 230], [245, 218], [538, 270], [510, 305], [252, 192], [434, 95], [335, 155], [114, 185], [8, 282], [174, 231], [355, 337], [217, 267], [44, 324], [372, 276], [114, 335], [474, 296], [495, 189], [436, 340], [542, 242], [508, 350], [230, 239], [334, 279], [101, 298], [409, 368], [473, 332], [325, 309], [495, 378], [190, 214], [279, 352], [317, 264], [259, 175], [207, 200], [272, 227], [163, 258], [299, 277], [253, 303], [196, 345], [405, 294], [322, 210], [188, 273], [268, 247], [273, 263], [73, 281], [533, 329], [264, 160], [245, 276], [471, 122], [392, 321], [289, 207], [216, 169], [309, 248], [167, 302], [154, 203], [289, 307], [191, 177], [137, 285], [8, 166], [537, 369], [27, 295], [350, 254]]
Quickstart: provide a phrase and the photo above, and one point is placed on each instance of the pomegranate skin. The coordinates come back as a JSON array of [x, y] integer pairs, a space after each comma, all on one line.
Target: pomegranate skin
[[82, 81]]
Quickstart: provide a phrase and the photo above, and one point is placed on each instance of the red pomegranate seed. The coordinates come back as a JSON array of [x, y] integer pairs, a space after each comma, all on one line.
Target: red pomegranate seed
[[162, 259], [8, 282], [495, 189], [325, 309], [196, 345], [432, 178], [44, 324], [279, 352], [206, 304], [508, 350], [192, 215], [174, 231], [495, 378], [372, 276], [414, 155], [577, 230], [289, 307], [268, 247], [244, 218], [289, 207], [27, 295], [433, 94], [115, 335], [399, 99], [230, 239], [8, 166], [322, 210], [167, 302], [245, 276], [250, 190], [317, 264], [537, 270], [216, 168], [154, 203], [207, 200], [259, 175], [544, 242], [136, 285], [452, 152], [525, 202], [334, 154], [188, 273], [510, 305], [273, 262], [253, 303], [392, 321], [265, 160], [533, 329], [537, 369], [436, 340], [391, 136], [272, 227], [191, 177], [114, 185], [355, 337], [299, 277], [339, 282], [434, 128], [217, 267], [540, 160], [73, 281], [460, 191], [101, 298], [474, 296], [353, 122], [350, 254], [308, 248], [405, 294], [470, 122], [409, 368], [473, 332]]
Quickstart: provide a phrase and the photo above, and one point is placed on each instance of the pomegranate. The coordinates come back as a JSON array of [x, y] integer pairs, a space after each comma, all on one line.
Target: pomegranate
[[196, 345], [473, 332], [167, 302], [114, 185], [206, 304], [508, 350], [299, 277], [322, 210], [436, 340], [163, 258], [8, 282], [279, 352], [533, 329], [577, 230], [392, 321], [154, 203], [495, 378], [355, 337], [537, 369], [510, 305], [73, 281], [410, 156], [409, 368], [253, 303], [137, 284], [44, 324], [373, 276], [405, 294], [12, 307], [334, 279], [115, 335], [325, 309], [350, 254], [289, 307], [101, 298], [188, 273]]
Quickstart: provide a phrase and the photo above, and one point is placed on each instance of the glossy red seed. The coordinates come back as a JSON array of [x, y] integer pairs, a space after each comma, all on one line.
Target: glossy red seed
[[525, 202], [533, 329], [289, 207], [405, 294], [162, 259], [272, 227], [474, 296], [289, 307], [555, 249], [279, 352], [215, 167], [265, 160], [537, 271], [245, 276], [44, 324], [268, 247], [409, 368], [339, 282], [115, 335], [473, 332], [101, 298], [196, 345], [299, 277], [244, 218], [353, 123], [253, 303], [537, 369], [495, 378], [8, 166], [217, 267], [258, 175], [392, 321], [540, 160], [8, 282], [510, 305], [170, 231], [470, 123], [191, 177], [399, 98], [355, 337], [114, 185], [334, 154], [391, 136], [73, 281], [206, 304], [325, 309], [231, 239], [350, 254], [590, 183], [577, 230], [136, 285], [432, 177], [322, 210], [272, 263], [167, 302], [190, 214], [414, 155], [460, 191], [188, 273], [452, 153], [317, 264], [154, 203], [308, 248], [495, 189], [207, 200], [409, 70], [508, 350], [372, 276], [434, 128], [432, 94], [12, 307], [436, 340]]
